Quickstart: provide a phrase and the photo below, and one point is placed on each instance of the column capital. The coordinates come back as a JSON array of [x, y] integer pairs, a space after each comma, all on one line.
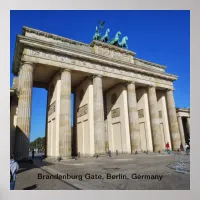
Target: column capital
[[130, 82], [65, 70], [169, 89], [151, 86], [97, 75], [26, 63]]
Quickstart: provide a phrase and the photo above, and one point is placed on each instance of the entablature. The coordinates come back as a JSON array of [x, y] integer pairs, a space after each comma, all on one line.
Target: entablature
[[54, 49], [103, 49]]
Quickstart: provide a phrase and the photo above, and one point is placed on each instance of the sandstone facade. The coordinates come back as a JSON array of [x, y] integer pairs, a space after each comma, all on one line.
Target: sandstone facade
[[122, 103]]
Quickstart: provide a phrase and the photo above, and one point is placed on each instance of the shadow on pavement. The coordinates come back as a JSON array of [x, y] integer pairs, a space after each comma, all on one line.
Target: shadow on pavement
[[30, 187], [28, 165]]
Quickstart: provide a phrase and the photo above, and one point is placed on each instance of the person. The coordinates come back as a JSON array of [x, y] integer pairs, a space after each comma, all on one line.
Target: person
[[41, 158], [181, 147], [14, 167], [109, 153], [167, 146], [187, 148], [33, 153]]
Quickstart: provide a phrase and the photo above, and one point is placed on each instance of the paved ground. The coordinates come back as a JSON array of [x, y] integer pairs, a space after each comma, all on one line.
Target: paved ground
[[99, 170], [27, 179]]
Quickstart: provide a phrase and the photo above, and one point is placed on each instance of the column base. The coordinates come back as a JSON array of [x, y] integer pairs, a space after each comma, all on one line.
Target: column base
[[100, 154]]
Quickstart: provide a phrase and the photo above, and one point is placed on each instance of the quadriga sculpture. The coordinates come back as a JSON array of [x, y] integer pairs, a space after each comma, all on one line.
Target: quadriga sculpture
[[123, 42], [96, 35], [115, 40], [105, 38]]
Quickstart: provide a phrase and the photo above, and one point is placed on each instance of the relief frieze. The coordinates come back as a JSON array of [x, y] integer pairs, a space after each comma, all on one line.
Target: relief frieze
[[141, 113], [45, 55], [113, 54], [66, 59], [52, 108], [160, 114], [115, 113], [103, 51], [82, 111]]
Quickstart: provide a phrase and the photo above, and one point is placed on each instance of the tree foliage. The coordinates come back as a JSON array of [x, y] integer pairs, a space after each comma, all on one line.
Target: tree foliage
[[38, 143]]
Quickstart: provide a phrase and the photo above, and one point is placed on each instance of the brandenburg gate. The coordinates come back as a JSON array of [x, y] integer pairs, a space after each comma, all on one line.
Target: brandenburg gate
[[122, 103]]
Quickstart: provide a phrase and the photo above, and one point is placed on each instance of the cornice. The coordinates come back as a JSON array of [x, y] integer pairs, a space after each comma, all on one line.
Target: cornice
[[24, 41], [53, 36], [150, 63]]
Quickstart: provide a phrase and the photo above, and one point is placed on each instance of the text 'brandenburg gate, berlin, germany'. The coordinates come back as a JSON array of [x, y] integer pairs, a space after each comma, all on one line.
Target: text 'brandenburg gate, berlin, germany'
[[121, 103]]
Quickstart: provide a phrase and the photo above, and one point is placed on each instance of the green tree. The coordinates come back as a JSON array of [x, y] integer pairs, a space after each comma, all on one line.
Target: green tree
[[38, 143]]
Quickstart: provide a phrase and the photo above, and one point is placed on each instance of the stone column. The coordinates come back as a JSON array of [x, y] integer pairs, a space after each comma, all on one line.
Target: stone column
[[173, 123], [182, 136], [74, 141], [19, 80], [133, 118], [65, 115], [154, 118], [99, 133], [46, 126], [24, 110], [188, 124]]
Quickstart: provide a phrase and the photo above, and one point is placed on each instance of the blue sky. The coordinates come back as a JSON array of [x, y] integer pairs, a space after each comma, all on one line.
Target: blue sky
[[157, 36]]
